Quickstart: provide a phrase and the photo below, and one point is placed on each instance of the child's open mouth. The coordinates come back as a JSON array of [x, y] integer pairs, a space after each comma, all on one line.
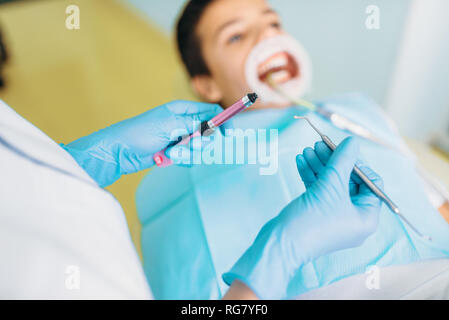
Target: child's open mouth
[[278, 64], [281, 67]]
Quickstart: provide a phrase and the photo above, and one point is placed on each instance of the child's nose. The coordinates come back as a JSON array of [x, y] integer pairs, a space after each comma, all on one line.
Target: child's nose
[[268, 33]]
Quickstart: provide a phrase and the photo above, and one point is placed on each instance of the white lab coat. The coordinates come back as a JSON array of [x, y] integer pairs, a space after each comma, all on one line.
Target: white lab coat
[[61, 236]]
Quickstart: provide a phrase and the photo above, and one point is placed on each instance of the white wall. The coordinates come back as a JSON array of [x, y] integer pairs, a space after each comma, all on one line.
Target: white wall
[[346, 55], [418, 99]]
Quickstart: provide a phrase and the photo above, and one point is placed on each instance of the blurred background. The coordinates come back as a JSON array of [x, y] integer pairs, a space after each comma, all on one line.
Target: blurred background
[[122, 61]]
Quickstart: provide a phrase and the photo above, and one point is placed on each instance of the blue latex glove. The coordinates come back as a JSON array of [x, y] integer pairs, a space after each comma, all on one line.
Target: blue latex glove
[[186, 154], [128, 146], [334, 213]]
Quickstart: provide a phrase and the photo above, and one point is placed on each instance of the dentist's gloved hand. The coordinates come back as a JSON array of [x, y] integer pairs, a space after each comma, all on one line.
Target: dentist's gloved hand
[[334, 213], [198, 148], [128, 146], [191, 153]]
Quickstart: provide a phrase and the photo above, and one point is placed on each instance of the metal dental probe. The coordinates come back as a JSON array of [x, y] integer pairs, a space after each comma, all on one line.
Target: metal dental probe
[[337, 119], [375, 189]]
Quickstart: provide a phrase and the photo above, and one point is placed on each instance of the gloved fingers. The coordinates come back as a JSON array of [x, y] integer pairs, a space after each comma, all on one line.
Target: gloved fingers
[[312, 159], [182, 154], [322, 151], [200, 143], [354, 177], [189, 114], [196, 110], [374, 177], [367, 202], [344, 158], [306, 173], [368, 206]]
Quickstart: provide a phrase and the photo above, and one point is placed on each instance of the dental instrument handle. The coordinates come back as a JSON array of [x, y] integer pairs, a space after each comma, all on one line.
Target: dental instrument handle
[[206, 127], [338, 120], [375, 189], [162, 160], [231, 111], [345, 123]]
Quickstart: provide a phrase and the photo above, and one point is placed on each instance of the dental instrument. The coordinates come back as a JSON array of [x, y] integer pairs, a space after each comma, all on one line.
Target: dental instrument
[[337, 119], [373, 187], [345, 124], [207, 127], [129, 145]]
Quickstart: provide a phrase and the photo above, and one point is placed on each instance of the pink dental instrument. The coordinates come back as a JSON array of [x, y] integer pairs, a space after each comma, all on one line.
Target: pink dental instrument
[[206, 127]]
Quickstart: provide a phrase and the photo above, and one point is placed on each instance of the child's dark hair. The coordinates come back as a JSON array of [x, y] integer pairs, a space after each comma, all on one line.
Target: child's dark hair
[[189, 45], [3, 58]]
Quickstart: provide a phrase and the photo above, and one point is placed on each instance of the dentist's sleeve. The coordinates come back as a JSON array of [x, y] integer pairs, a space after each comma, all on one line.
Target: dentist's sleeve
[[62, 237]]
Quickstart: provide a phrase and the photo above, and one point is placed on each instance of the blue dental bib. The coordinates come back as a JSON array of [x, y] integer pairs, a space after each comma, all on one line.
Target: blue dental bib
[[196, 222]]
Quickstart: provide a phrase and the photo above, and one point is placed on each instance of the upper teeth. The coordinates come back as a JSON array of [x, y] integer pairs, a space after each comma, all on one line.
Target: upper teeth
[[274, 63]]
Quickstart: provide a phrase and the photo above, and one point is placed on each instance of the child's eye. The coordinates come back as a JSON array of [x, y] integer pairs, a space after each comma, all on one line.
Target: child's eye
[[276, 25], [235, 38]]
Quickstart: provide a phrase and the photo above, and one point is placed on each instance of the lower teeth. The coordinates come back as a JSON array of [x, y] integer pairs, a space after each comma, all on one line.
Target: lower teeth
[[280, 75]]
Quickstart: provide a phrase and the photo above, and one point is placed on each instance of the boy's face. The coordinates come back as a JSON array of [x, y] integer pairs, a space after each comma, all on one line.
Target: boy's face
[[228, 30]]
